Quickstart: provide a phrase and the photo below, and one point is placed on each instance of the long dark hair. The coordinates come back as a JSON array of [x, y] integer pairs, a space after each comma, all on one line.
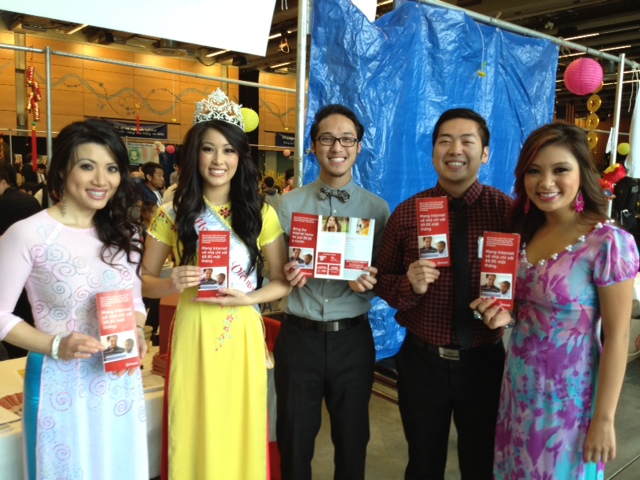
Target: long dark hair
[[246, 202], [116, 229], [574, 140]]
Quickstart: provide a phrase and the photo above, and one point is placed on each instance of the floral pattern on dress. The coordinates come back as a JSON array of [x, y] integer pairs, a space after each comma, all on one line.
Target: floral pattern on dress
[[552, 358]]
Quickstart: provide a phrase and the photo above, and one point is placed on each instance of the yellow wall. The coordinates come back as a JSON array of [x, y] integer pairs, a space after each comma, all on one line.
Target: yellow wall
[[277, 109], [83, 88]]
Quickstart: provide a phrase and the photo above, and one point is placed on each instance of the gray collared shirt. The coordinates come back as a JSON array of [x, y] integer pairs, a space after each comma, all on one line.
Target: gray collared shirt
[[331, 299]]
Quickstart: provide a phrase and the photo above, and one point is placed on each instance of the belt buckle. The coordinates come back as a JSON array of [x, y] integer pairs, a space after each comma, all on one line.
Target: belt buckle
[[449, 353], [332, 326]]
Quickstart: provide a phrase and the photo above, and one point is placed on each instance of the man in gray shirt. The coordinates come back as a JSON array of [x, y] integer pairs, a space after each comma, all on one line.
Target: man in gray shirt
[[325, 347]]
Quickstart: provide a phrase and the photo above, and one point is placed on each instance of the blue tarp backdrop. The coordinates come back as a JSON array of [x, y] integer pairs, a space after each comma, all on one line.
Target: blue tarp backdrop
[[401, 72]]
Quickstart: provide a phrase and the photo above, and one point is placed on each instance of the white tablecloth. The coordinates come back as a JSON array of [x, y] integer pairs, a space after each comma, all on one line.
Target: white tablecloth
[[11, 441]]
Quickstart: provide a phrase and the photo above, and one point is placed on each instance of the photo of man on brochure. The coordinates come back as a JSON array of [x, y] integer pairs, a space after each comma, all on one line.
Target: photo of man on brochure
[[496, 285], [119, 346], [212, 279], [433, 246]]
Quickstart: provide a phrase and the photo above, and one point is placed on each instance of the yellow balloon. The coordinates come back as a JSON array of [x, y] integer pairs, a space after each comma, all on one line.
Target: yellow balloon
[[251, 119], [624, 149]]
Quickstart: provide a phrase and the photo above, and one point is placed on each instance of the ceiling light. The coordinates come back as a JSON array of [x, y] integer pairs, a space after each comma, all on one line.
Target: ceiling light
[[586, 35], [614, 48], [215, 54], [75, 29], [280, 65], [18, 26]]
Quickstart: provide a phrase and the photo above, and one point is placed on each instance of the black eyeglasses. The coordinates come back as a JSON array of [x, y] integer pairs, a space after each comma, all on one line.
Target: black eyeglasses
[[329, 141]]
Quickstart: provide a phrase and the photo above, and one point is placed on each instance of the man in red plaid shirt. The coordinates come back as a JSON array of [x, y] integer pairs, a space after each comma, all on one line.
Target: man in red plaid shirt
[[449, 364]]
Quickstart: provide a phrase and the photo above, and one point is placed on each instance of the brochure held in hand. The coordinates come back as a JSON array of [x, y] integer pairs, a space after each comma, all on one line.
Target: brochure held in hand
[[330, 246], [214, 262], [498, 271], [118, 331], [433, 230]]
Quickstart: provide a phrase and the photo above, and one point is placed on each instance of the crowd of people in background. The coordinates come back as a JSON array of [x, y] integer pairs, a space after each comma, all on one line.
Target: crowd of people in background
[[553, 392]]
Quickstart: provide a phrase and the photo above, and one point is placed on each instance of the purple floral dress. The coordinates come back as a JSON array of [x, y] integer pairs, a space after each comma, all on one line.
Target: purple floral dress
[[552, 359]]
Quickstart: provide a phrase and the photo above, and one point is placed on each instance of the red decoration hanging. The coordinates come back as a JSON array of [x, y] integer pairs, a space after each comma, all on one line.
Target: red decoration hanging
[[32, 106], [34, 147], [583, 76], [137, 119]]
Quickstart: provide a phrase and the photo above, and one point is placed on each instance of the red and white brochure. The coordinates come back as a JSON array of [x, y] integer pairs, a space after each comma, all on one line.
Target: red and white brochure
[[330, 246], [118, 331], [214, 262], [433, 230], [499, 268]]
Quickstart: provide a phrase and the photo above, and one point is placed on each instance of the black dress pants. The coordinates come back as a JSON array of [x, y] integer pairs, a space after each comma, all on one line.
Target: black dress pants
[[431, 389], [336, 366]]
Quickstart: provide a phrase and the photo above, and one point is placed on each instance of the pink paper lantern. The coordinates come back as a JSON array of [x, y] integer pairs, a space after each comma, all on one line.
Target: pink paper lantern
[[286, 152], [171, 149], [583, 76]]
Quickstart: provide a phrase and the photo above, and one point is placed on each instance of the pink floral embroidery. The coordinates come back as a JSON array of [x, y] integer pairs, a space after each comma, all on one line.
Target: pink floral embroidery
[[225, 335]]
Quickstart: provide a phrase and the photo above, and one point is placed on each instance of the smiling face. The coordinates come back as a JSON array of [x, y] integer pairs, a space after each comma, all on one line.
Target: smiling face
[[217, 163], [156, 182], [458, 154], [331, 225], [92, 180], [552, 180], [335, 160]]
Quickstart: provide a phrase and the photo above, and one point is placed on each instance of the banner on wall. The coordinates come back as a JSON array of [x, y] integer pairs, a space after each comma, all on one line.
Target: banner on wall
[[285, 140], [147, 130], [141, 153]]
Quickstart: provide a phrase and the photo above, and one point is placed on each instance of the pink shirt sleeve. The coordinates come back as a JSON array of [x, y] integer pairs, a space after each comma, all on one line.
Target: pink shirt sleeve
[[15, 268]]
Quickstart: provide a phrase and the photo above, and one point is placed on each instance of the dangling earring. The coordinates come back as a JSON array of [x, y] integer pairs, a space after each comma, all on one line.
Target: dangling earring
[[527, 205], [63, 204], [579, 202]]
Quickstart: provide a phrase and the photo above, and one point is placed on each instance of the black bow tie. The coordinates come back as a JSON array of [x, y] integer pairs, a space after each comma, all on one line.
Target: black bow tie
[[341, 195]]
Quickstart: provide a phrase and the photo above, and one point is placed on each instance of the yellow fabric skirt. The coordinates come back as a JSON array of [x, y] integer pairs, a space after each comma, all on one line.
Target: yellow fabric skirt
[[217, 393]]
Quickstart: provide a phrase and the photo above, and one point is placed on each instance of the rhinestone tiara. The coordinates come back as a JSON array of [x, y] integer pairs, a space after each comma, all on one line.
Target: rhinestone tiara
[[217, 106]]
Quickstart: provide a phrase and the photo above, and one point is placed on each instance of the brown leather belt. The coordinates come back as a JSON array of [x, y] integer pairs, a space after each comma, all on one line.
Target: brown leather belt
[[325, 326]]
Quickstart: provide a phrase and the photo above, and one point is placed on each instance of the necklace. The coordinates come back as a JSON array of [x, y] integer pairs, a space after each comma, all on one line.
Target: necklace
[[569, 248]]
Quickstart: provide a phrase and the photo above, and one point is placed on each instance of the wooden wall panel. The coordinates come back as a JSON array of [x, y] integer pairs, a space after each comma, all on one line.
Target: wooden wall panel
[[64, 78], [88, 88], [8, 96], [277, 109], [60, 121], [8, 120], [99, 51], [55, 45], [68, 103]]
